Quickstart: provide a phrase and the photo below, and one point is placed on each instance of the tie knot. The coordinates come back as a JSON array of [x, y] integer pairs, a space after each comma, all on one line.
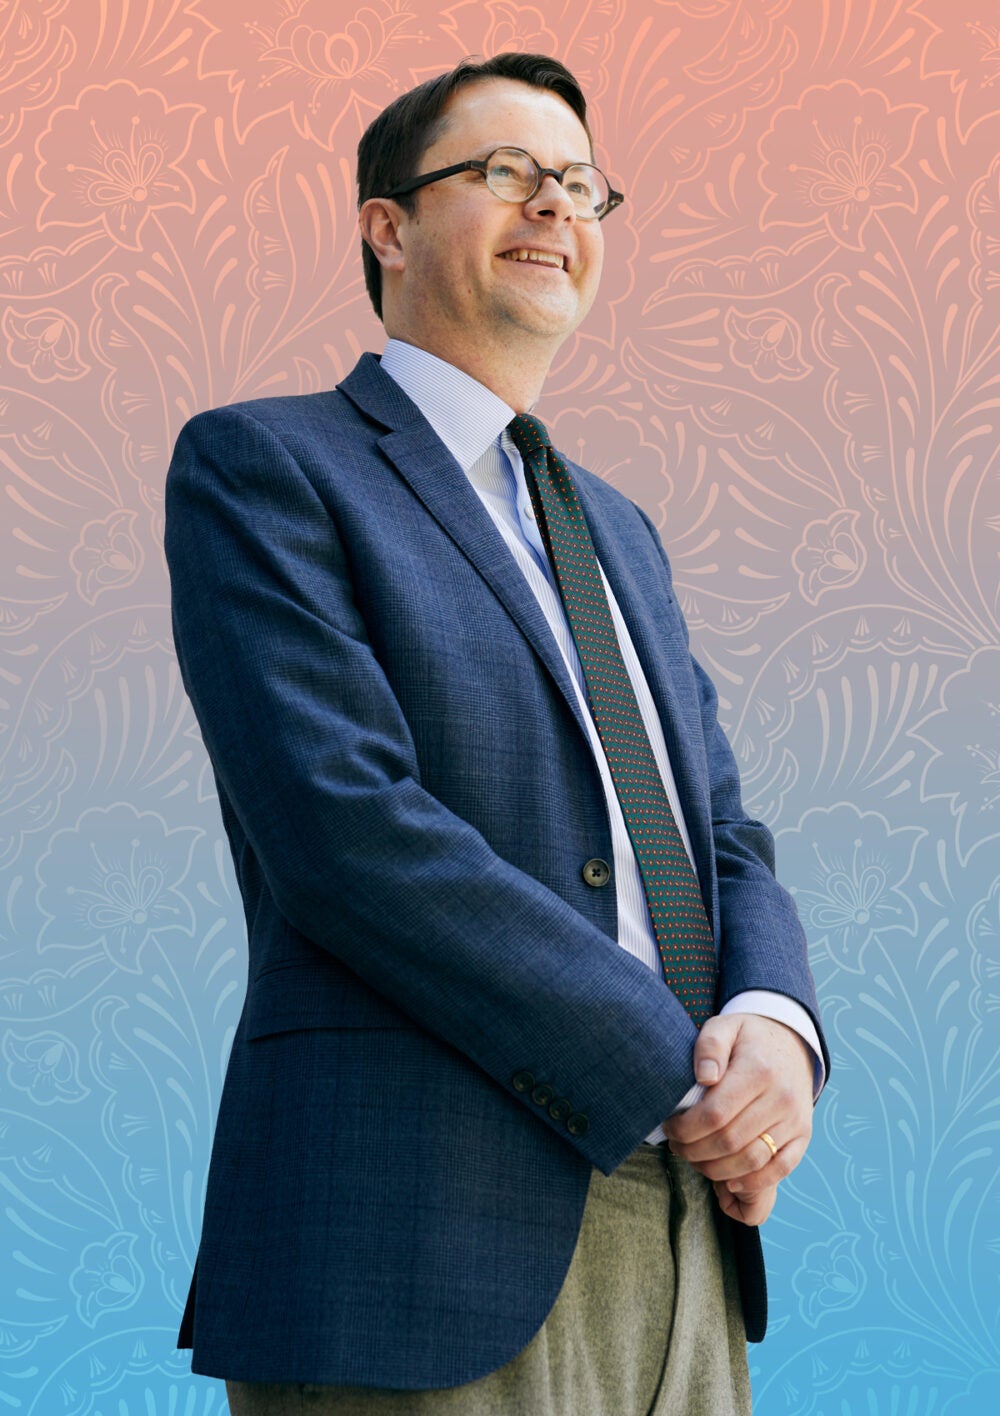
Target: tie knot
[[530, 434]]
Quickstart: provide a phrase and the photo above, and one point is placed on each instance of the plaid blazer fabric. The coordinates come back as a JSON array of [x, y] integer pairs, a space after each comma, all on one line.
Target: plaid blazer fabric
[[410, 799]]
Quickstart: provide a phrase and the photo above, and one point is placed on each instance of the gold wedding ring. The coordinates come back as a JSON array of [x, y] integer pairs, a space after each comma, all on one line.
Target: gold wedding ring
[[768, 1140]]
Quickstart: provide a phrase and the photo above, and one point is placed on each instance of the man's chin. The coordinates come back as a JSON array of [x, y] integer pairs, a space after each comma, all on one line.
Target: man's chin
[[556, 321]]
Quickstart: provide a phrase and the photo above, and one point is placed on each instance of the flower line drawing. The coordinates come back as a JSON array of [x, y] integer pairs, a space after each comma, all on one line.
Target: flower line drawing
[[831, 1278], [46, 343], [831, 555], [108, 555], [835, 158], [305, 59], [98, 168], [112, 881], [45, 1066], [108, 1278], [848, 868], [768, 343]]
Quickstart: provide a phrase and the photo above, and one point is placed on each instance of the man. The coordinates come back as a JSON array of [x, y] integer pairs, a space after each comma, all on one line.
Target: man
[[479, 977]]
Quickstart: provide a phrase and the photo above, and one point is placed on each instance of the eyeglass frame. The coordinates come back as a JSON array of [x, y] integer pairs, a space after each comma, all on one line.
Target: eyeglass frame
[[481, 165]]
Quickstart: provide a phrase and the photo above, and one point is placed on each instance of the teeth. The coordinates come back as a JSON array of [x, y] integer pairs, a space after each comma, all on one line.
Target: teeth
[[539, 257]]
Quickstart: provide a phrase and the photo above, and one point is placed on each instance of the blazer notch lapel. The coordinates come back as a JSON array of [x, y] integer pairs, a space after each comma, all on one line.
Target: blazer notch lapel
[[420, 457]]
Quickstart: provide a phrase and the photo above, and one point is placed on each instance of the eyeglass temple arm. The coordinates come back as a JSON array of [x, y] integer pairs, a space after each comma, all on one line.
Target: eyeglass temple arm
[[414, 182]]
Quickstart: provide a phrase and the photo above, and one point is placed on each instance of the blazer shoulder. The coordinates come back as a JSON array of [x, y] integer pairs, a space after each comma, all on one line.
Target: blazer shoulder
[[609, 497], [613, 503], [359, 409], [284, 415], [310, 435]]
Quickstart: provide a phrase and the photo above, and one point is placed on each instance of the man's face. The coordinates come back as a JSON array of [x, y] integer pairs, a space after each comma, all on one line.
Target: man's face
[[458, 284]]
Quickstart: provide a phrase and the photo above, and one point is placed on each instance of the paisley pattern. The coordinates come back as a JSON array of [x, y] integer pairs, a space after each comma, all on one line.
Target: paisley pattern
[[793, 367]]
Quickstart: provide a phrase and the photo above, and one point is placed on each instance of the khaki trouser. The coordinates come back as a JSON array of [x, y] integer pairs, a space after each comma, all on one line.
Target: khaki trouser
[[647, 1323]]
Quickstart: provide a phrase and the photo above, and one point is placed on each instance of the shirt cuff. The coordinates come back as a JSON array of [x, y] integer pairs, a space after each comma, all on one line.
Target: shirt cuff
[[766, 1005]]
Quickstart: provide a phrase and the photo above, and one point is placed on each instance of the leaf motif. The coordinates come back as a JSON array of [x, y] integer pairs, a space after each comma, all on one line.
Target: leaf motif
[[303, 270], [769, 272], [51, 271], [851, 686], [137, 1368], [46, 994], [781, 470], [919, 1129], [146, 37], [669, 125], [149, 394], [38, 767], [44, 439], [57, 1202], [163, 1091], [37, 52]]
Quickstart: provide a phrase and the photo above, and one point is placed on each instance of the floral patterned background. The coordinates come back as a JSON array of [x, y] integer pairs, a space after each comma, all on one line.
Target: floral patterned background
[[794, 367]]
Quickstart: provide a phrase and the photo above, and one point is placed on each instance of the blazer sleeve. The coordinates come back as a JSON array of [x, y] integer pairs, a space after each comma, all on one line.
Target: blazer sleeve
[[315, 758], [762, 944]]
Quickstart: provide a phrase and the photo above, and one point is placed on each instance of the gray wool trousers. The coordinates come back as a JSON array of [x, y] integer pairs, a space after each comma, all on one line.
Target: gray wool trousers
[[648, 1321]]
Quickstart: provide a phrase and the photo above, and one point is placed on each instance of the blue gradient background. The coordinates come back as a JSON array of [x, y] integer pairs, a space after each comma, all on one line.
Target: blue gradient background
[[794, 367]]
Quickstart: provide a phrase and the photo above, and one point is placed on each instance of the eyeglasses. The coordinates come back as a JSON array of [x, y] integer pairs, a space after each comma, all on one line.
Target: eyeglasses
[[513, 175]]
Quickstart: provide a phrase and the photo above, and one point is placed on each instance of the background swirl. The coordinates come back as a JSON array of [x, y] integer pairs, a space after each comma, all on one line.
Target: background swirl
[[793, 366]]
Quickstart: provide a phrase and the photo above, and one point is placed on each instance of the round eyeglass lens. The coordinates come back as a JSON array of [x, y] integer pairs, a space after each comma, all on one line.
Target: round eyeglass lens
[[512, 176]]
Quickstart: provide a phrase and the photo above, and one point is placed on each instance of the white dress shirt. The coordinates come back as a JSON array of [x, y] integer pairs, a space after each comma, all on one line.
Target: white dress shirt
[[472, 421]]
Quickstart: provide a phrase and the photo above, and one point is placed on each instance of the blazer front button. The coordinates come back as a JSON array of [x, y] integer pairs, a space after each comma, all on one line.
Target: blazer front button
[[523, 1081], [597, 872], [577, 1124]]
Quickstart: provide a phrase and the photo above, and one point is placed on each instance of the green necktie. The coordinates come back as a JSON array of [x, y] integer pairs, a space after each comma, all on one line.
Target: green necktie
[[683, 934]]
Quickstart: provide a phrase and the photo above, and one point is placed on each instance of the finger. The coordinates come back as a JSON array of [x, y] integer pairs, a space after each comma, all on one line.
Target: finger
[[758, 1181], [719, 1107], [740, 1137], [713, 1048], [747, 1160], [746, 1211]]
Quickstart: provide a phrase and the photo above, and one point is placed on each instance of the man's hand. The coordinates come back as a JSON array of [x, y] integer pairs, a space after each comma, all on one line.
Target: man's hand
[[759, 1075]]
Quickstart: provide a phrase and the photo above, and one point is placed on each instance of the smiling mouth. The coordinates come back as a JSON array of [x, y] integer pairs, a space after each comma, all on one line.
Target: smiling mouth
[[523, 256]]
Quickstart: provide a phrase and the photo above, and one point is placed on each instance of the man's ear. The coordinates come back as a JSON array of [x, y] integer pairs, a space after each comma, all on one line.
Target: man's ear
[[379, 220]]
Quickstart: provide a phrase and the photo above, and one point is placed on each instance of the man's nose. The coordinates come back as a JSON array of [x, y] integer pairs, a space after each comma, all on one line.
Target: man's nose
[[551, 197]]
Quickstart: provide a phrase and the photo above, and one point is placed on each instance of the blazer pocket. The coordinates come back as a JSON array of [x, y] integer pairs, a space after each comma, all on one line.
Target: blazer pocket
[[315, 995]]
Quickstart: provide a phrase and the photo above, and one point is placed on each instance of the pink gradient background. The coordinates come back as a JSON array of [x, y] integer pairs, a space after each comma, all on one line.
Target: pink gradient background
[[793, 366]]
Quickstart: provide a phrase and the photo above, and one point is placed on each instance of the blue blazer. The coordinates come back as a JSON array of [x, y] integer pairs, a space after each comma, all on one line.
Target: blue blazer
[[441, 1036]]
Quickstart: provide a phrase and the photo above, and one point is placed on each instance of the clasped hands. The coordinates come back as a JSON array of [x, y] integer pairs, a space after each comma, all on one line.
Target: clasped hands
[[759, 1077]]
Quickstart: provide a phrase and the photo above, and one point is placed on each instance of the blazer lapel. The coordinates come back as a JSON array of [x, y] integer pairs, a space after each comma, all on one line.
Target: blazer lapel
[[428, 467], [420, 457]]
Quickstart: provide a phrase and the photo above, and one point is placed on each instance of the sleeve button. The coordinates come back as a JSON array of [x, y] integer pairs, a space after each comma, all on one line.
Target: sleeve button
[[543, 1094], [523, 1081], [577, 1124], [560, 1108]]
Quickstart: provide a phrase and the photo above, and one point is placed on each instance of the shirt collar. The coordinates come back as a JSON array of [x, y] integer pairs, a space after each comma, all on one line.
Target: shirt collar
[[466, 415]]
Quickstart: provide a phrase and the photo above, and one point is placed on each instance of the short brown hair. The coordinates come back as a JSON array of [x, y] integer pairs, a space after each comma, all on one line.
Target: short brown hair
[[393, 144]]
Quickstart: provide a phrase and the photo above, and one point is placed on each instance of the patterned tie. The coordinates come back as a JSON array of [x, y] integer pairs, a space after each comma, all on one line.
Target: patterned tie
[[683, 934]]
